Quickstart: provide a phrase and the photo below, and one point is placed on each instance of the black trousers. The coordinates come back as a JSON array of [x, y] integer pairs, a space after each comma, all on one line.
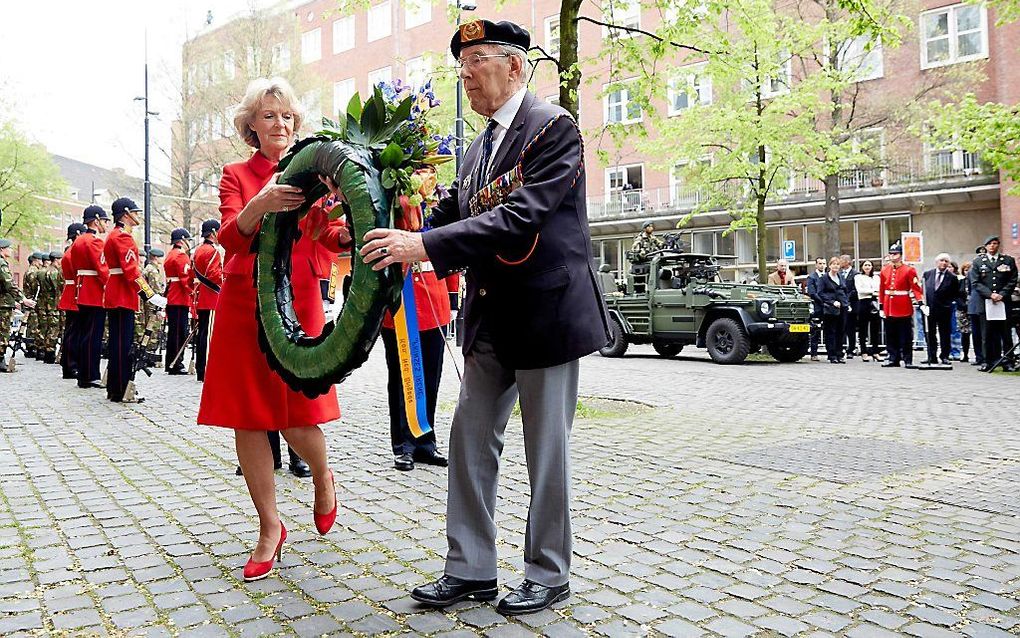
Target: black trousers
[[899, 339], [176, 333], [849, 323], [939, 323], [997, 337], [90, 344], [69, 344], [815, 337], [202, 347], [121, 349], [432, 342], [868, 330], [833, 326]]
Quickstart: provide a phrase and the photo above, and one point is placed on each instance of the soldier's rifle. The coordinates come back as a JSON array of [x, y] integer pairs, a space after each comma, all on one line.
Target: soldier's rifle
[[187, 340], [20, 339]]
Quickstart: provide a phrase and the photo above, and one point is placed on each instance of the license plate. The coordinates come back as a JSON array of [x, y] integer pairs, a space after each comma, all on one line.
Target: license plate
[[800, 327]]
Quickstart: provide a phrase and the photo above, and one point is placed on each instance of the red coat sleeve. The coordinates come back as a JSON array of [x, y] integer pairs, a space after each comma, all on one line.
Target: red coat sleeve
[[127, 251], [231, 203], [215, 269], [186, 274], [99, 259]]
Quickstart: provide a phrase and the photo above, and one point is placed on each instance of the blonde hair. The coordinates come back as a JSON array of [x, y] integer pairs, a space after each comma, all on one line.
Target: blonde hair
[[258, 90]]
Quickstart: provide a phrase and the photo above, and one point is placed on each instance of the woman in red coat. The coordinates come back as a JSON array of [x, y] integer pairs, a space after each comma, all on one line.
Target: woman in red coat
[[241, 391]]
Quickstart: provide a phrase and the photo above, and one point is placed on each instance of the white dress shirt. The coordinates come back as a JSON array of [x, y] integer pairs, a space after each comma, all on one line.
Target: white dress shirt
[[504, 117]]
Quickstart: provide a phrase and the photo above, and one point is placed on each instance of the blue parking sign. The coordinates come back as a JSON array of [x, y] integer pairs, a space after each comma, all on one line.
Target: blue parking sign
[[790, 250]]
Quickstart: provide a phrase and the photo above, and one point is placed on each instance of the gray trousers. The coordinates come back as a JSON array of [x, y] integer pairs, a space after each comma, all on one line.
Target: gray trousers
[[487, 396]]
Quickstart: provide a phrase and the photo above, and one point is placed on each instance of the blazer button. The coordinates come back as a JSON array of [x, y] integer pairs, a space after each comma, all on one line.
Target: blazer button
[[481, 292]]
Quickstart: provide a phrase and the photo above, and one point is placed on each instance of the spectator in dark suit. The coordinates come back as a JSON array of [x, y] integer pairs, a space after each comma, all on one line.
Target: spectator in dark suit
[[831, 289], [847, 270], [816, 316], [962, 315], [941, 288]]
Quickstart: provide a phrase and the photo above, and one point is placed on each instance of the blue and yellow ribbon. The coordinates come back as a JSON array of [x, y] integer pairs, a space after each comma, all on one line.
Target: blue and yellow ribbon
[[412, 372]]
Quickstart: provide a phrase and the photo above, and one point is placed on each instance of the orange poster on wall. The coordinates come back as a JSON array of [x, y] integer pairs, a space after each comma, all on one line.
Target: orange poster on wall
[[913, 247]]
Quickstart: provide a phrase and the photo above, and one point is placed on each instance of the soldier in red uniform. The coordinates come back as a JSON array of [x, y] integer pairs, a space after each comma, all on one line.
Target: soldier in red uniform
[[898, 291], [177, 268], [209, 273], [71, 334], [432, 301], [91, 275], [121, 299]]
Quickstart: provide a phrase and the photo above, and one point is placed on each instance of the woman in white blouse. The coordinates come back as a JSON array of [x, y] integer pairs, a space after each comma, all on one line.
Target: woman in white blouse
[[866, 282]]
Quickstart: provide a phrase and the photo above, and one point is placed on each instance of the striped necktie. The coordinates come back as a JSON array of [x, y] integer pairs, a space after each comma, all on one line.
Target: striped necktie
[[483, 164]]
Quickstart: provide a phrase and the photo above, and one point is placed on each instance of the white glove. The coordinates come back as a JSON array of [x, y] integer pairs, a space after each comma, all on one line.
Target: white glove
[[881, 314], [453, 315], [925, 310], [157, 300]]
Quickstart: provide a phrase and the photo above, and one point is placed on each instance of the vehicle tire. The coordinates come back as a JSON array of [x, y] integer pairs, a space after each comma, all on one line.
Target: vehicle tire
[[618, 344], [789, 352], [727, 342], [667, 349]]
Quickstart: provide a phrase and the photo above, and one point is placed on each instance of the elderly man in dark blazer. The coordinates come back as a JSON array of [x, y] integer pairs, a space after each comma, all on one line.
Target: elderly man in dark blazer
[[516, 218], [941, 288]]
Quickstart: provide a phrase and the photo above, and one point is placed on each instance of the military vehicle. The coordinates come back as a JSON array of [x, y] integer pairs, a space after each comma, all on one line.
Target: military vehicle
[[676, 298]]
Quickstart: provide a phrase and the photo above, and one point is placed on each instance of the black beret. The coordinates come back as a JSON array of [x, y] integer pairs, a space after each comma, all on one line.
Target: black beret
[[210, 226], [487, 32], [94, 212], [990, 239], [55, 255], [156, 252], [122, 206]]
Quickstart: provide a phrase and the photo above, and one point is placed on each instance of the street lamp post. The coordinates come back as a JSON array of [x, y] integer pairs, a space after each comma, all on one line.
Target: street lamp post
[[459, 126], [148, 185]]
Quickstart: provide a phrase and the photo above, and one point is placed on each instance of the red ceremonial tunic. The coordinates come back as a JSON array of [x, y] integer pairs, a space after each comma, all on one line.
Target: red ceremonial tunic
[[90, 269], [240, 390], [432, 299], [177, 269], [70, 289], [209, 264], [898, 288], [121, 253]]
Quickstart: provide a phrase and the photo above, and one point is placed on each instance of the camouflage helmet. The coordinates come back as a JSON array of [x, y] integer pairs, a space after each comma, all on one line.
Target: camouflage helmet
[[645, 224]]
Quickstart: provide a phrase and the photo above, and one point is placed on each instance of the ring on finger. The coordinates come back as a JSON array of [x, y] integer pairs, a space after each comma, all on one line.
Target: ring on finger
[[384, 250]]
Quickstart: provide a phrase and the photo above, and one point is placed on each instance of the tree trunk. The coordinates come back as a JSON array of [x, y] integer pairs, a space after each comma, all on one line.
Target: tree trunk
[[832, 242], [763, 240], [570, 78]]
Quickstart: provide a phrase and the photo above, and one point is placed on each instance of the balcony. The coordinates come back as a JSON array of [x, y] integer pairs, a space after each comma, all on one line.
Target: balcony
[[889, 180]]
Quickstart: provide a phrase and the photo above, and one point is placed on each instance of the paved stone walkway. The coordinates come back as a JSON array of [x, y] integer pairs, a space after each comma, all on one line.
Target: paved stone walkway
[[766, 499]]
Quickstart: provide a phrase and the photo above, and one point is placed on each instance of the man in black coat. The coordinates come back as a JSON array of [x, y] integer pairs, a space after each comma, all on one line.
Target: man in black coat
[[941, 288], [811, 287], [994, 276], [516, 218], [848, 272]]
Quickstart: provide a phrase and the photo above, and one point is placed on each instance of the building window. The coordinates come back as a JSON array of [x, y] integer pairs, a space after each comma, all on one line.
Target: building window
[[280, 57], [312, 102], [958, 33], [861, 59], [384, 74], [689, 88], [620, 109], [780, 83], [623, 187], [417, 13], [947, 162], [343, 91], [380, 23], [343, 34], [552, 36], [229, 65], [622, 13], [682, 194], [254, 60], [311, 45], [417, 70]]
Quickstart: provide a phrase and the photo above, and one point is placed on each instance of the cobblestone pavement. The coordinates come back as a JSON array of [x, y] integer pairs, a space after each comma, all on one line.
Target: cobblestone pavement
[[766, 499]]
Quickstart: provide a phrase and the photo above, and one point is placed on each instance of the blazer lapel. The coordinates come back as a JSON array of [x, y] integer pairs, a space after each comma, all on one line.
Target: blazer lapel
[[510, 138]]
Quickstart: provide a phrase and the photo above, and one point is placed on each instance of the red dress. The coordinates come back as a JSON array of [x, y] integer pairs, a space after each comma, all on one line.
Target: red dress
[[240, 390]]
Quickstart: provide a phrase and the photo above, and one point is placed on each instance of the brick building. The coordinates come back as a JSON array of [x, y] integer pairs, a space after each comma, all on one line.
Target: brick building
[[944, 193]]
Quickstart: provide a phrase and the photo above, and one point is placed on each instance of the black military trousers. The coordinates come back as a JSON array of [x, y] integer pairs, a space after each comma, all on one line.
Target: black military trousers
[[202, 346], [121, 349], [939, 324], [69, 344], [899, 339], [176, 333], [90, 344], [432, 342], [997, 338]]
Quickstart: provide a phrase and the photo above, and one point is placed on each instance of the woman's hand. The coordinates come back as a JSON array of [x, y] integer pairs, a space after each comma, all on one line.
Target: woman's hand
[[278, 198], [334, 190]]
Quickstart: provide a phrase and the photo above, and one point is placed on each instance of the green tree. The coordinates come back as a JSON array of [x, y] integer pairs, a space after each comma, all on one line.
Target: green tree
[[27, 176]]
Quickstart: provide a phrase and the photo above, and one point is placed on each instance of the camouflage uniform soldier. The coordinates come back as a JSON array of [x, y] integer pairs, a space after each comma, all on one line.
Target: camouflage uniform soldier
[[645, 243], [153, 273], [31, 290], [10, 296], [51, 281]]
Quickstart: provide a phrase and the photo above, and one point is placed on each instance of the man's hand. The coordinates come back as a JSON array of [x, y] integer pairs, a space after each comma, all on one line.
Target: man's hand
[[996, 297], [925, 310], [157, 300], [28, 303], [384, 247]]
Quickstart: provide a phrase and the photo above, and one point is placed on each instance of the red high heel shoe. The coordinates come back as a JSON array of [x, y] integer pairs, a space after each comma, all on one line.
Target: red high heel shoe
[[258, 571], [324, 522]]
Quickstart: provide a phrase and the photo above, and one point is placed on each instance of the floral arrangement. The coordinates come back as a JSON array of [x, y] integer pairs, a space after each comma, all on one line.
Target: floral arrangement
[[394, 124]]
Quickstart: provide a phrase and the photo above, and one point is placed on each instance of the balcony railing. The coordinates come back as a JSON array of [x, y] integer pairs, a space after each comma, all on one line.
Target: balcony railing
[[680, 199]]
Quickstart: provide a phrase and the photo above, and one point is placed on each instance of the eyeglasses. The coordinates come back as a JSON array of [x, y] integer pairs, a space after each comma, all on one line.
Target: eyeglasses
[[475, 59]]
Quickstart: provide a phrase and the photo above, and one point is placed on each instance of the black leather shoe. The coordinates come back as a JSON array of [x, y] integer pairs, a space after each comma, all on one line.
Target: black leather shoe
[[404, 462], [238, 471], [176, 371], [430, 457], [530, 597], [947, 362], [450, 589], [891, 364], [299, 468]]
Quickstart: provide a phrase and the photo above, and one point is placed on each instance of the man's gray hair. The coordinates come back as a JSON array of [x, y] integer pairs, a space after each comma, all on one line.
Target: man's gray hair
[[518, 53], [943, 256]]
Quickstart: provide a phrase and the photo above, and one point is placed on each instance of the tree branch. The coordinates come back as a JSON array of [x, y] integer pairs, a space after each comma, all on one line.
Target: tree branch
[[645, 33]]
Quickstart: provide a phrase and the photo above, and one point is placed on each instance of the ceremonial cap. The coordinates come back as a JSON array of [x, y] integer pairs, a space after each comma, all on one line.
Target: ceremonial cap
[[896, 248], [210, 226], [178, 234], [94, 212], [122, 206], [488, 32], [75, 229]]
